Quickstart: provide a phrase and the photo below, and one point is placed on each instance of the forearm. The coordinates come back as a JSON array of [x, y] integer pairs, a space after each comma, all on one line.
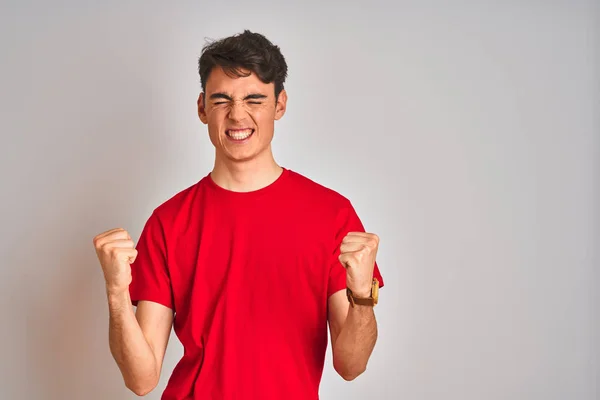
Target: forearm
[[129, 347], [355, 342]]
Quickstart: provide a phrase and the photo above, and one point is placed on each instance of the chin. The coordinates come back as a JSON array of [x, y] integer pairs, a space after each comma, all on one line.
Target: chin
[[247, 155], [240, 156]]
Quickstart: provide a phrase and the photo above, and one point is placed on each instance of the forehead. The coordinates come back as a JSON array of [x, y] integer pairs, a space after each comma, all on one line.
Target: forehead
[[219, 81]]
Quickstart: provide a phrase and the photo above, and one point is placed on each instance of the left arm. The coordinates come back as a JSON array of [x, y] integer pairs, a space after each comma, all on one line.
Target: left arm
[[354, 329], [353, 335]]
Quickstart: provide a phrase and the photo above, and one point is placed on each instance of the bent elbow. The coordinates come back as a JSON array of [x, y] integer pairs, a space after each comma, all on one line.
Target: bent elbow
[[141, 391], [141, 388], [348, 377], [349, 374]]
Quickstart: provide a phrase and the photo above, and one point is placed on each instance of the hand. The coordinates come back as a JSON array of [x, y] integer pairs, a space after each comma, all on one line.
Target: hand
[[116, 252], [358, 253]]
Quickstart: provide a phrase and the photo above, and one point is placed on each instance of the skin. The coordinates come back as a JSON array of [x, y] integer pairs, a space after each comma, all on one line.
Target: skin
[[138, 340], [354, 329], [234, 103]]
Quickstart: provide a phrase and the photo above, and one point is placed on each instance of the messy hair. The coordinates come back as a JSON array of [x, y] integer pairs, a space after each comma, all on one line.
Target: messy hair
[[241, 54]]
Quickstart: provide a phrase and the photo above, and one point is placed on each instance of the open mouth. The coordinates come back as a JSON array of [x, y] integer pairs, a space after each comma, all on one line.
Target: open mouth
[[239, 135]]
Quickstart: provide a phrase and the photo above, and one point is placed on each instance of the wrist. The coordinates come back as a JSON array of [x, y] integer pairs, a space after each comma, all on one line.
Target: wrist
[[117, 299], [361, 295], [362, 292], [362, 289]]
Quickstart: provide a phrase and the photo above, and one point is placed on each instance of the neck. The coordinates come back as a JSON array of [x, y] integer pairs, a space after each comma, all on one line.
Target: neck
[[245, 176]]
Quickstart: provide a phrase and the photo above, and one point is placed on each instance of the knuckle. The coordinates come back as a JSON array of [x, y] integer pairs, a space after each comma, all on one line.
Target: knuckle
[[97, 242]]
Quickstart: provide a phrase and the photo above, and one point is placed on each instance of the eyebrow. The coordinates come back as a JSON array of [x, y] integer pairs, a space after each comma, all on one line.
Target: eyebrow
[[253, 96]]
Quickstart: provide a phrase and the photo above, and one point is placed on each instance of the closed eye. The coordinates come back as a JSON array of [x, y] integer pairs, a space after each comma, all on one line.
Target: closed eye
[[225, 102], [224, 98]]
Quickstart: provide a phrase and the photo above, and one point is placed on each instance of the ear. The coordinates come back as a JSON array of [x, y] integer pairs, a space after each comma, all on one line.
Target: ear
[[281, 105], [202, 108]]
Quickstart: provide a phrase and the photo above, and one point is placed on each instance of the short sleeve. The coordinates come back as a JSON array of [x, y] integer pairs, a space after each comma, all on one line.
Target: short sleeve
[[347, 221], [149, 272]]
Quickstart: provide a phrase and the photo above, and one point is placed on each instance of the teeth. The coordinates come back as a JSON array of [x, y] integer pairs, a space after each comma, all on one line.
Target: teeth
[[240, 135]]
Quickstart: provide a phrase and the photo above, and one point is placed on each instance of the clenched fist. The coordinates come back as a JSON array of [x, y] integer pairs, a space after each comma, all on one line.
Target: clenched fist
[[358, 254], [116, 251]]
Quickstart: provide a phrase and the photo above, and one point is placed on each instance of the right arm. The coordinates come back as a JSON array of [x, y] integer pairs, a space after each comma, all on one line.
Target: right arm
[[138, 341]]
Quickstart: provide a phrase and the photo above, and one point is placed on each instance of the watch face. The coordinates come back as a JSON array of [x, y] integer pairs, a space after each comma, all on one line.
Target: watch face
[[375, 292]]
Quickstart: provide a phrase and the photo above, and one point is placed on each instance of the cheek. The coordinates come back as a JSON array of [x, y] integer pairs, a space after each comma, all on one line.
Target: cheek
[[215, 118], [263, 117]]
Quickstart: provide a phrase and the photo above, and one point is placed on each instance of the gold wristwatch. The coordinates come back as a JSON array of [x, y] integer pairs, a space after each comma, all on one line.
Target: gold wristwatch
[[365, 301]]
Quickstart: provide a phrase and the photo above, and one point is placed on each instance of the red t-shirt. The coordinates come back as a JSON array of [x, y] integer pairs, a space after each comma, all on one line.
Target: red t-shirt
[[248, 276]]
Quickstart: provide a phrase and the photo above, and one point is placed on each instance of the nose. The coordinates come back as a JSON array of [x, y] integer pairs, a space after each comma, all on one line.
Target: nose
[[237, 111]]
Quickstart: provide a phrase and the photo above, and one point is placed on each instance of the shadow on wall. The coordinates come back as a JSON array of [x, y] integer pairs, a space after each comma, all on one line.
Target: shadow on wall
[[67, 324], [67, 347], [68, 355], [93, 139]]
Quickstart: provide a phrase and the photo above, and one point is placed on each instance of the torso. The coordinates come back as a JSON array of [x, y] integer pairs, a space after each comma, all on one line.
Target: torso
[[250, 277]]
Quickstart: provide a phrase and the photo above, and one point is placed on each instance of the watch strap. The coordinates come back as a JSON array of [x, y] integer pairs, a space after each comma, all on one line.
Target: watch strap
[[365, 301]]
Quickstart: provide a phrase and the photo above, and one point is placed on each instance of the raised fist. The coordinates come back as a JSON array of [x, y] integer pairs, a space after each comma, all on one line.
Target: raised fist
[[116, 251]]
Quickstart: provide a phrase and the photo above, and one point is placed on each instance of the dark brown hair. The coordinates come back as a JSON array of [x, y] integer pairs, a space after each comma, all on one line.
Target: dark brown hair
[[247, 51]]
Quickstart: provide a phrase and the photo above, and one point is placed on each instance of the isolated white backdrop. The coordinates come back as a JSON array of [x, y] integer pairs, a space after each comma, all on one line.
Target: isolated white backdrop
[[467, 136]]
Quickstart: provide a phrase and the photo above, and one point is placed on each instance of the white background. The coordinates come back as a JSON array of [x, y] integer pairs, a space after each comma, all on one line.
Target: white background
[[466, 134]]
